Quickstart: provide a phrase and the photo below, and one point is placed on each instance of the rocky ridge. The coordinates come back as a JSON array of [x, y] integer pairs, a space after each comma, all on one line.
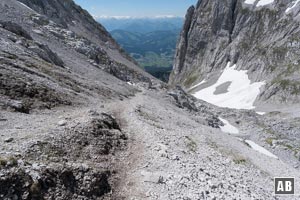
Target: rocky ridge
[[261, 39]]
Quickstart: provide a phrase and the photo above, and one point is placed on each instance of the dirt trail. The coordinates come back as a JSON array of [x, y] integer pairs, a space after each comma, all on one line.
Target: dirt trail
[[174, 157], [169, 156]]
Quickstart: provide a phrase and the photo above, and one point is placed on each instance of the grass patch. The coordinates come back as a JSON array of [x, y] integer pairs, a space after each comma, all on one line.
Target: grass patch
[[286, 84], [269, 141], [239, 160], [191, 144], [8, 162], [12, 161], [3, 162], [280, 52], [294, 149], [190, 80]]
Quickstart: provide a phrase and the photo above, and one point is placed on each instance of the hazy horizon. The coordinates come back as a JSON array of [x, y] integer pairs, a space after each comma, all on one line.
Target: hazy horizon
[[127, 9]]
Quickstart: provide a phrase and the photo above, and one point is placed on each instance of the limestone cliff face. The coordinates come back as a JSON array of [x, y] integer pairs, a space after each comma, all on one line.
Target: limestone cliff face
[[262, 38]]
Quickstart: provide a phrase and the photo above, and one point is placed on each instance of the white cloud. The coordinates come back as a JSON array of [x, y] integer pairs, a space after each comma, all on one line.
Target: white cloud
[[111, 17], [134, 17]]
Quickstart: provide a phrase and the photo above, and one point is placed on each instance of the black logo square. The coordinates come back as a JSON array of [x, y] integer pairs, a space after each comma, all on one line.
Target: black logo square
[[284, 186]]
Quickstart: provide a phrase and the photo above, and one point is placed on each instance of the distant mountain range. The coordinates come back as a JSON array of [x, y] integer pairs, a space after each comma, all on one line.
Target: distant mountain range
[[151, 42], [142, 25]]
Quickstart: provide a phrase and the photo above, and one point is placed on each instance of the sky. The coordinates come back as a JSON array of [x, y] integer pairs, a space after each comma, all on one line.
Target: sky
[[136, 8]]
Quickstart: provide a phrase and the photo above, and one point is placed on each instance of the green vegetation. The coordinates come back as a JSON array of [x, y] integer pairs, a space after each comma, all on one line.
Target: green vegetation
[[261, 50], [295, 150], [3, 162], [191, 144], [153, 51], [239, 160], [245, 11], [271, 67], [291, 68], [267, 129], [285, 84], [280, 52], [270, 140], [11, 162], [244, 45], [190, 80]]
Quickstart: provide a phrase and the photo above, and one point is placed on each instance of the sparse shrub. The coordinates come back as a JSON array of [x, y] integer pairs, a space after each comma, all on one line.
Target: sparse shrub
[[280, 52], [8, 162], [35, 190], [239, 161], [3, 162], [191, 144], [190, 80], [269, 141], [12, 161]]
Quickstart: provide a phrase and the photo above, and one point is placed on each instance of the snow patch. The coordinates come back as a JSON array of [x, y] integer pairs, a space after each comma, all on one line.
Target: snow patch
[[228, 128], [260, 2], [204, 81], [250, 1], [260, 149], [261, 113], [26, 6], [129, 83], [293, 6], [241, 93], [264, 2]]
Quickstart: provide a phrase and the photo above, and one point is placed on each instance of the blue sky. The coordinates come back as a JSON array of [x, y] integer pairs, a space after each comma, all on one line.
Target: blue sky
[[136, 8]]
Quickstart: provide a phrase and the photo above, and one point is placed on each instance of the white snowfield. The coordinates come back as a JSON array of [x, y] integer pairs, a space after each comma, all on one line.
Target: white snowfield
[[204, 81], [260, 2], [26, 6], [228, 128], [293, 6], [260, 149], [241, 93]]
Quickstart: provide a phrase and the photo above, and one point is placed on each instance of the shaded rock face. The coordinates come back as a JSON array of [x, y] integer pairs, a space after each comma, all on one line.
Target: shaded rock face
[[15, 28], [46, 54], [260, 39], [187, 101]]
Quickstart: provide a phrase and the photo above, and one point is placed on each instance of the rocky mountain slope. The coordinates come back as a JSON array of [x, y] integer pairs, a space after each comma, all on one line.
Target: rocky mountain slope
[[261, 37], [79, 120], [53, 54], [38, 67]]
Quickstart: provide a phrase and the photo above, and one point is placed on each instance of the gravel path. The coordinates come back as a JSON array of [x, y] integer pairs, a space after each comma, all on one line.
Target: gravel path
[[174, 157], [170, 154]]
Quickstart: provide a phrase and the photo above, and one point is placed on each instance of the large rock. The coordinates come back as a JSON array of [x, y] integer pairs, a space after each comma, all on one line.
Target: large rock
[[15, 28], [46, 54]]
